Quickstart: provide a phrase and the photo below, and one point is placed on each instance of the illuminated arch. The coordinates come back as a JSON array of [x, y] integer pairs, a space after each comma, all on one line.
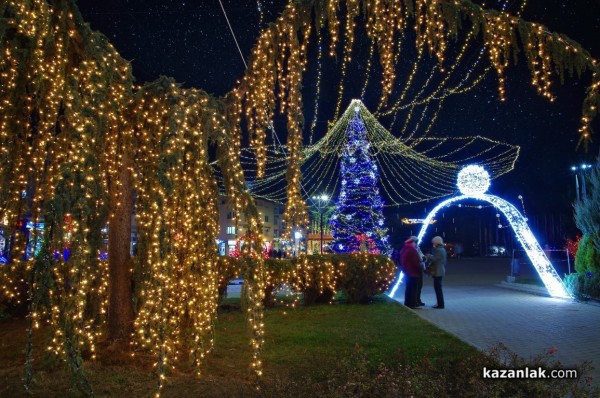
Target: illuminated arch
[[473, 181], [519, 225]]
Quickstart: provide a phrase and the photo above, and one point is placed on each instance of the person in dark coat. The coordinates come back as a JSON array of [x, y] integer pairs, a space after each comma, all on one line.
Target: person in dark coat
[[413, 270], [423, 258]]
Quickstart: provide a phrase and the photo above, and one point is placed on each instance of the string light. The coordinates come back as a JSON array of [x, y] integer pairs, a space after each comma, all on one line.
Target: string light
[[424, 175], [357, 220]]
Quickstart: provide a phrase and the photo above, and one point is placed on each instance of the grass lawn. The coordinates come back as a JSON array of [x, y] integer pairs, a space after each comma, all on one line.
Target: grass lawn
[[306, 341]]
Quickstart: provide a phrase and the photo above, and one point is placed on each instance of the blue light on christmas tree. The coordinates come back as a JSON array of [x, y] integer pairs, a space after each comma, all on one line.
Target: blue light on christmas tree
[[357, 223]]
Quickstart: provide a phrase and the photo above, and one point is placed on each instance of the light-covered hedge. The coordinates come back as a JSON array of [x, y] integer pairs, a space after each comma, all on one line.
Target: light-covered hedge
[[318, 277]]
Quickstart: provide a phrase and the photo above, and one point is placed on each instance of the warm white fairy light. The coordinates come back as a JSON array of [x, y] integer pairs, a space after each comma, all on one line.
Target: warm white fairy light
[[409, 175]]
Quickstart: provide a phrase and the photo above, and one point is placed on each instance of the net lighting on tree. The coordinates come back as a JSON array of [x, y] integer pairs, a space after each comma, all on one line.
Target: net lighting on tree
[[357, 223]]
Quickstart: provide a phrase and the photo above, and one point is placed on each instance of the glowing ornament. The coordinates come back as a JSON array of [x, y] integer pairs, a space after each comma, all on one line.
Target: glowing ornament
[[473, 180]]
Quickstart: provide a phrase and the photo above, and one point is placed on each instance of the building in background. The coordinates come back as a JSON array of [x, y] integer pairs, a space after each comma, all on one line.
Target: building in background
[[271, 214]]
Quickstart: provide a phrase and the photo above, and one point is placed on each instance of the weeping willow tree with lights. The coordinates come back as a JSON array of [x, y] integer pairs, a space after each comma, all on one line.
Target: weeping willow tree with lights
[[60, 136], [76, 136], [178, 221], [75, 141], [176, 204]]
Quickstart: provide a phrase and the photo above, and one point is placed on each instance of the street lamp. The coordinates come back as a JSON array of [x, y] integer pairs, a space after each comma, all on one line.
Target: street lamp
[[297, 237], [583, 167], [321, 202]]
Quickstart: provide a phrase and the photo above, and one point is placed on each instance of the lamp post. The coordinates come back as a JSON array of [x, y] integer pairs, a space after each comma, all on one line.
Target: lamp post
[[321, 202], [297, 238], [583, 167]]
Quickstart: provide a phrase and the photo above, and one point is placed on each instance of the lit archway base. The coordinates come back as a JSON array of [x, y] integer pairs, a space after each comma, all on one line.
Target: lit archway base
[[519, 225]]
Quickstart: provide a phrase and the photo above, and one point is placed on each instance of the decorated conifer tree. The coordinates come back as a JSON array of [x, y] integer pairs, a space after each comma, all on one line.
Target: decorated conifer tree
[[357, 223], [587, 218]]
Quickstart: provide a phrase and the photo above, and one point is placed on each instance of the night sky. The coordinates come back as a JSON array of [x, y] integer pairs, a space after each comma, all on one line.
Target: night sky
[[191, 42]]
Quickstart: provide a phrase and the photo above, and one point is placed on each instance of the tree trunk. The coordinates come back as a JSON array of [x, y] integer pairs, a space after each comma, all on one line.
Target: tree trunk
[[120, 307]]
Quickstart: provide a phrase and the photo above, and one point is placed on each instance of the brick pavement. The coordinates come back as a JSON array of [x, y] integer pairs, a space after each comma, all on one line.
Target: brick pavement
[[482, 314]]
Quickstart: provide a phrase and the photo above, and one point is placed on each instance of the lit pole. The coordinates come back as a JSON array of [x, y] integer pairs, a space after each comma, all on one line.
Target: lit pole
[[297, 237], [321, 201], [583, 167]]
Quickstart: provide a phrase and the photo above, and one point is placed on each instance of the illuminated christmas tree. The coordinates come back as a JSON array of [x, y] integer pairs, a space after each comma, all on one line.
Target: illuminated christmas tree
[[357, 223]]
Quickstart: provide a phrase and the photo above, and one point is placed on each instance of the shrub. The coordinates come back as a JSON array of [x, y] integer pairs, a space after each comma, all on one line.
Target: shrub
[[318, 277], [584, 286], [278, 272], [572, 284], [363, 275], [228, 268], [587, 210], [14, 300], [587, 258]]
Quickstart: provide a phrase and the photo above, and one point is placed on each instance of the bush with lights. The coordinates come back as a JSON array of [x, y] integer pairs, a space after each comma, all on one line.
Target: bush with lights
[[315, 279], [279, 273], [362, 275], [228, 268]]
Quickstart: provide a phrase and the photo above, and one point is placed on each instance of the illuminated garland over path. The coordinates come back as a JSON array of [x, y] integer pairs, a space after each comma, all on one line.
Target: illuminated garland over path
[[407, 175], [278, 60]]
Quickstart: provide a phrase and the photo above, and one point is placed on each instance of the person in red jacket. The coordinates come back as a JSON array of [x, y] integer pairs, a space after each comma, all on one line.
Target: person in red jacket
[[413, 270]]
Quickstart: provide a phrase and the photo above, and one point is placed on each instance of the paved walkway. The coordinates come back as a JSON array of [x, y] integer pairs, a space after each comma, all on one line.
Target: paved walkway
[[481, 313]]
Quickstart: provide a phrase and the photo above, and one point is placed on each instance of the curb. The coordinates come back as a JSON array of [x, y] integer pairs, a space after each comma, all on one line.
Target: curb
[[537, 290], [541, 291]]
